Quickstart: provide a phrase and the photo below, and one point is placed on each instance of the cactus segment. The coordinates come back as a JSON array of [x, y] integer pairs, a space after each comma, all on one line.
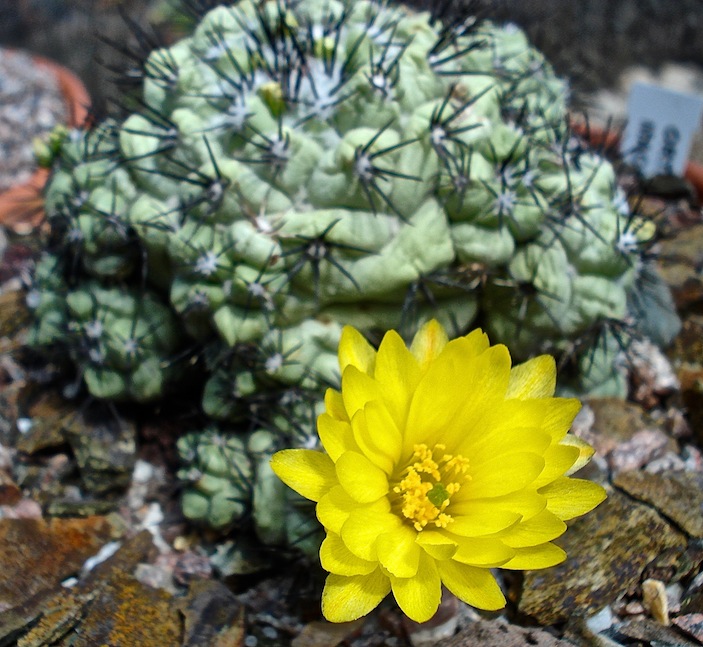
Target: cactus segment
[[295, 166]]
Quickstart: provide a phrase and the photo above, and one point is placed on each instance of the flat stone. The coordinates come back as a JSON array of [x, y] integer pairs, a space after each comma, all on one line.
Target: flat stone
[[674, 565], [676, 495], [680, 257], [648, 632], [619, 420], [58, 507], [686, 356], [36, 555], [10, 494], [212, 616], [625, 435], [137, 549], [607, 549], [692, 598], [320, 633], [499, 633], [43, 416], [120, 611], [687, 348], [644, 448], [105, 448], [440, 627], [691, 624]]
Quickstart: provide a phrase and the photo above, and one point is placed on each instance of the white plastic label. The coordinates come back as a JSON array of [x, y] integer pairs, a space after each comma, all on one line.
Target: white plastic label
[[660, 126]]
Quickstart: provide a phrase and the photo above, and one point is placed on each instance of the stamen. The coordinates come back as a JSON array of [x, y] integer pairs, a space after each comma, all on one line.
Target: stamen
[[428, 485]]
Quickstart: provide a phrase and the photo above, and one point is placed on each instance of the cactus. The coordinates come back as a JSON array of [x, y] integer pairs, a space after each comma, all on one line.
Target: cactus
[[219, 470], [294, 166], [229, 478]]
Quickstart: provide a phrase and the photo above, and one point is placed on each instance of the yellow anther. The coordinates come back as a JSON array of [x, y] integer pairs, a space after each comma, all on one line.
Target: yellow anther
[[428, 484]]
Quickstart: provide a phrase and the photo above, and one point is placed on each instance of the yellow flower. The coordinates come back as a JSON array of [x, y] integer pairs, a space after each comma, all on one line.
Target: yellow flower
[[441, 463]]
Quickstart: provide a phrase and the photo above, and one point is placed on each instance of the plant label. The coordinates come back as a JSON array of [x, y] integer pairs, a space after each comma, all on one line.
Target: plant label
[[660, 127]]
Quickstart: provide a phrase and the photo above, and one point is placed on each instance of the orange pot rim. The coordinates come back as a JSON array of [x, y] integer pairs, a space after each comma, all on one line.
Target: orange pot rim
[[21, 207], [609, 138], [72, 88]]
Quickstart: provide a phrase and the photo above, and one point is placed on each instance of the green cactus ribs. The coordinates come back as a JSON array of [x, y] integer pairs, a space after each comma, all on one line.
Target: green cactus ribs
[[294, 166], [229, 481]]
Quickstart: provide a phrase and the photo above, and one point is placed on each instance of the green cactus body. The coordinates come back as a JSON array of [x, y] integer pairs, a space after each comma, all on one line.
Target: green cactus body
[[298, 166], [219, 471]]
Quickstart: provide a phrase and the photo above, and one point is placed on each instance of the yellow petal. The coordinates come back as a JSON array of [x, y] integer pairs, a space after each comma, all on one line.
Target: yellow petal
[[428, 343], [475, 586], [471, 345], [398, 552], [455, 388], [540, 529], [438, 397], [558, 460], [517, 439], [482, 551], [363, 481], [503, 475], [398, 372], [355, 351], [533, 557], [486, 524], [347, 598], [526, 503], [363, 527], [334, 405], [376, 433], [535, 378], [334, 508], [552, 415], [335, 435], [358, 389], [436, 544], [518, 413], [559, 414], [585, 452], [336, 558], [419, 596], [480, 385], [493, 422], [310, 473], [568, 498]]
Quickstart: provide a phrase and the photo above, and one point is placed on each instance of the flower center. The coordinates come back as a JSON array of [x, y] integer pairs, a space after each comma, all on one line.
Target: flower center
[[428, 484]]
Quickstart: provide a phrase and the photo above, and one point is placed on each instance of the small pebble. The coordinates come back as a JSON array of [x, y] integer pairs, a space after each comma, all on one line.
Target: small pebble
[[644, 447], [634, 609], [270, 633], [143, 471], [24, 425], [601, 621], [677, 425], [670, 462], [654, 600], [692, 458], [674, 594]]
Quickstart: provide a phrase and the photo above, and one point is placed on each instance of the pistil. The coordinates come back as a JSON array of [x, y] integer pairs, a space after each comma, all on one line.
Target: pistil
[[428, 484]]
